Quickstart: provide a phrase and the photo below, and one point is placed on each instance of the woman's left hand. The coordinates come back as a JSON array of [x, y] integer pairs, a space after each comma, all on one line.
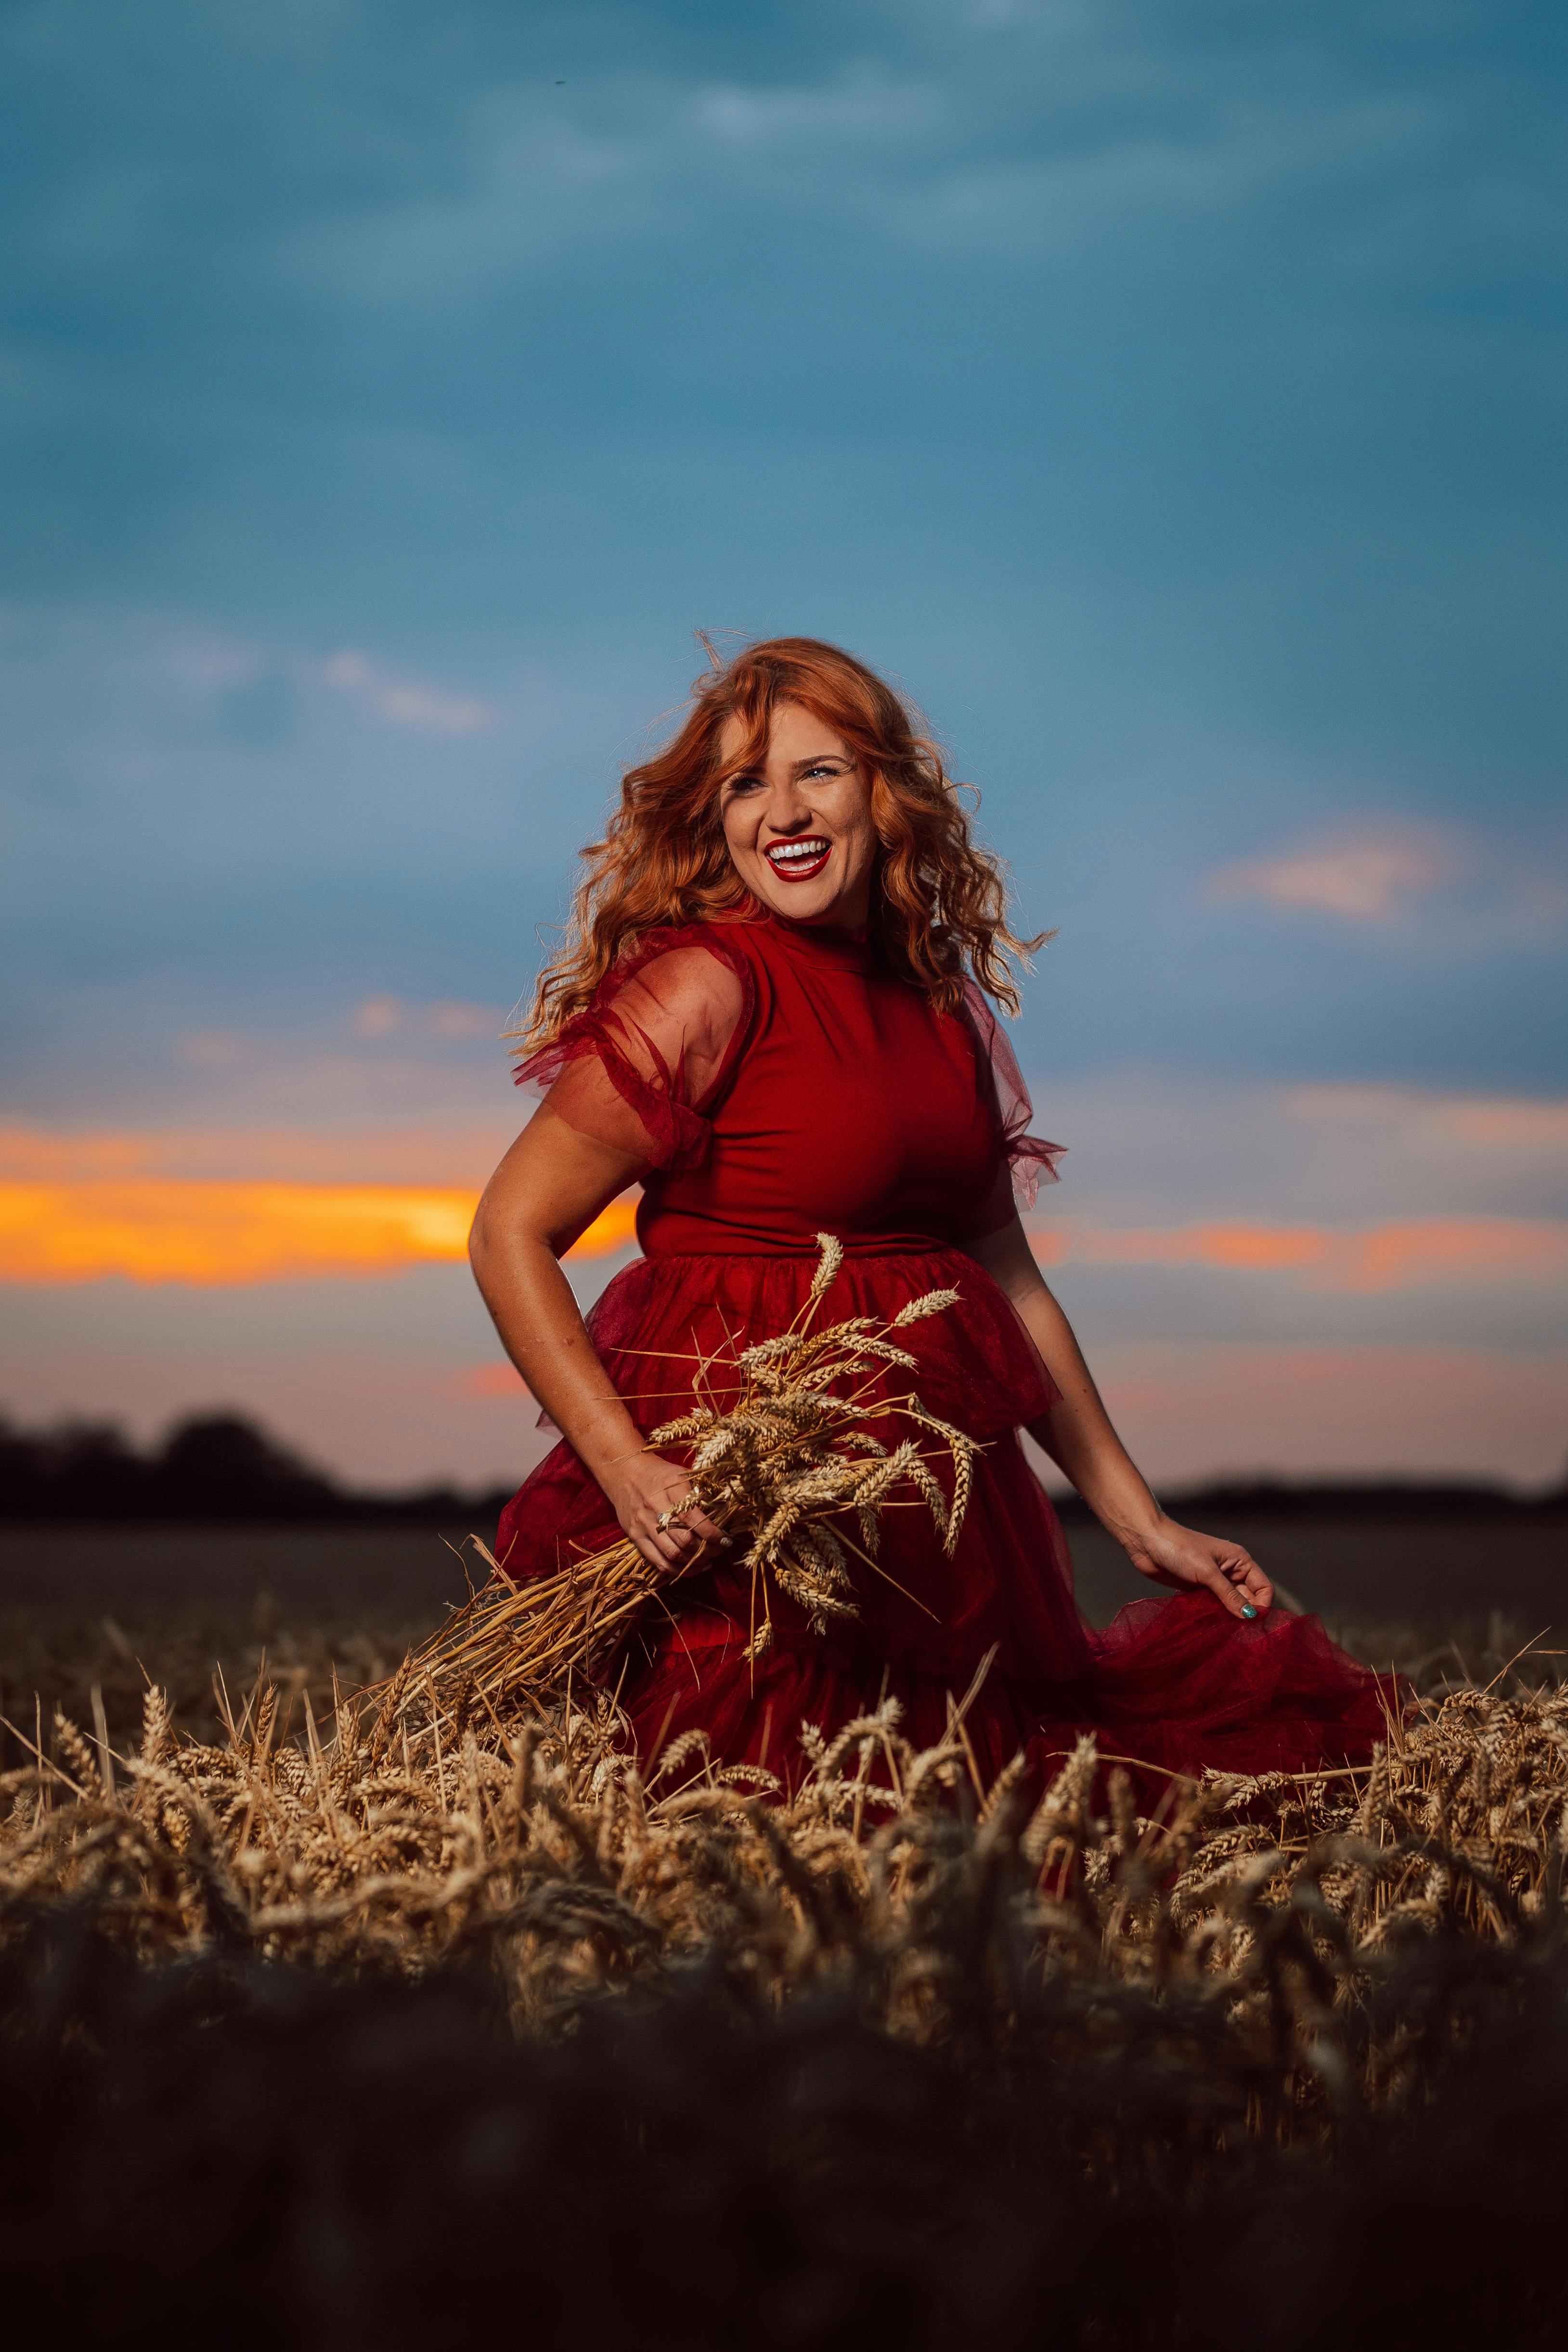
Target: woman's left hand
[[1172, 1554]]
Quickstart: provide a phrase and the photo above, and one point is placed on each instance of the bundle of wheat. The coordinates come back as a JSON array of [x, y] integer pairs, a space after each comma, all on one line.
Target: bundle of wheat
[[793, 1452]]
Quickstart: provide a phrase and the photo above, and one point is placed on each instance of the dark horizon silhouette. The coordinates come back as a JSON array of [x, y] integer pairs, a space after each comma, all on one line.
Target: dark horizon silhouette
[[223, 1466]]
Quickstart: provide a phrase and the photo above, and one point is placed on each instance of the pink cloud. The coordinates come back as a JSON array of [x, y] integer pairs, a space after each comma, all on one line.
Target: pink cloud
[[1404, 1254], [405, 702], [1502, 1123], [1363, 880], [438, 1152], [1507, 1126], [384, 1017], [378, 1017]]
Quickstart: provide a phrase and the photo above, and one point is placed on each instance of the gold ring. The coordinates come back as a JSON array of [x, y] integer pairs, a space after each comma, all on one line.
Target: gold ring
[[663, 1522]]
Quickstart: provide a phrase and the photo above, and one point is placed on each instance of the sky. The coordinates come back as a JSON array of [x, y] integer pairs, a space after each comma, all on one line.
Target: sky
[[1166, 396]]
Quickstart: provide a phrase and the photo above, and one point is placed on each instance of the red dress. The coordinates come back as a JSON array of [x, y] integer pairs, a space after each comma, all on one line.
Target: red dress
[[778, 1081]]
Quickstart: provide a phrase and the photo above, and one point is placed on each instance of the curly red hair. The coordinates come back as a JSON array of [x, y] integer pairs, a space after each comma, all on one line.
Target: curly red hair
[[941, 905]]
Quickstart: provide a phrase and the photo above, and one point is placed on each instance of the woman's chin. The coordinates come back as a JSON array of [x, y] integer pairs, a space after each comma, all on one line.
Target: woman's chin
[[801, 902]]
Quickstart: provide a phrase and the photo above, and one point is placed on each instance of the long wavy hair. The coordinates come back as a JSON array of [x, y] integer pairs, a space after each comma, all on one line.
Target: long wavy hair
[[939, 903]]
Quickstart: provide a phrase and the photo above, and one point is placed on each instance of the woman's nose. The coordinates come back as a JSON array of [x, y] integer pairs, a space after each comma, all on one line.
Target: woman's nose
[[787, 811]]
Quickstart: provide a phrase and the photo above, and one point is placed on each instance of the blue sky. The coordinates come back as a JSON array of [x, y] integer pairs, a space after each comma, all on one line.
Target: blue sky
[[1170, 396]]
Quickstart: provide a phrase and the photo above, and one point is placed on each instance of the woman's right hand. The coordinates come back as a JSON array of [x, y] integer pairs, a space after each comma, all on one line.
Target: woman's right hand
[[644, 1488]]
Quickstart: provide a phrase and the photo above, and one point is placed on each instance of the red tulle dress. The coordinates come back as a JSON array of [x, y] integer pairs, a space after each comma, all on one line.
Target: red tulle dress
[[778, 1081]]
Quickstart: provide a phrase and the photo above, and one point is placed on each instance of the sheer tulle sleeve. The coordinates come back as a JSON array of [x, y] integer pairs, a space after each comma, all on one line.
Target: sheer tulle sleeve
[[636, 1069], [1028, 1161]]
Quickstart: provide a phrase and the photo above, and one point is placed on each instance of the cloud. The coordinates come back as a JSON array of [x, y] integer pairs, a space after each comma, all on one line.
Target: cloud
[[213, 1049], [384, 1017], [410, 1072], [1489, 890], [451, 1017], [217, 1206], [1506, 1125], [162, 1229], [443, 1153], [405, 701], [168, 1229], [856, 107], [1152, 172], [214, 1206], [1104, 143], [378, 1017], [422, 706], [201, 659], [1367, 880], [1404, 1253]]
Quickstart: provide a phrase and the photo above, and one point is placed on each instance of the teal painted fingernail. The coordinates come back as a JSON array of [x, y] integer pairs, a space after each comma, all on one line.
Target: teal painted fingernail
[[1247, 1609]]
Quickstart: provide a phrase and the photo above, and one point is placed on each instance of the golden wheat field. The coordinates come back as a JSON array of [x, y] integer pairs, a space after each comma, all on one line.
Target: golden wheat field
[[390, 2023], [321, 1827]]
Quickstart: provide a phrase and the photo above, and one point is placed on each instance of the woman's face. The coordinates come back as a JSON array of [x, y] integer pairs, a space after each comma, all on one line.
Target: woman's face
[[798, 825]]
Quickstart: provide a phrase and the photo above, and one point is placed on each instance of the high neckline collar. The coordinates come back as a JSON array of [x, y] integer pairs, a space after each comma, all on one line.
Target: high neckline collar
[[830, 944]]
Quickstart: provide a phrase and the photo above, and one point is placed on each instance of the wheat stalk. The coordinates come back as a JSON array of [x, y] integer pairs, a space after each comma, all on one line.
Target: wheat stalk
[[794, 1451], [544, 1842]]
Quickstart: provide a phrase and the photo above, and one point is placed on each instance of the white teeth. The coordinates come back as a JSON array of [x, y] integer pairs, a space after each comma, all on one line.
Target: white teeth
[[796, 850]]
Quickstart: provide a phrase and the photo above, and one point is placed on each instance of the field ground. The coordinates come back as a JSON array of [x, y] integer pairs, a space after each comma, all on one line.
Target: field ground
[[365, 2032], [1398, 1572], [81, 1606], [1408, 1571]]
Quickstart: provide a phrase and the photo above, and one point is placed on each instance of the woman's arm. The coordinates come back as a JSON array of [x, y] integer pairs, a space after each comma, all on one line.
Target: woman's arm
[[548, 1190], [1077, 1435]]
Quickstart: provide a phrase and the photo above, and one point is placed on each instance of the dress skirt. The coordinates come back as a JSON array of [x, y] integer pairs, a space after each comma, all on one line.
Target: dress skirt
[[1175, 1685]]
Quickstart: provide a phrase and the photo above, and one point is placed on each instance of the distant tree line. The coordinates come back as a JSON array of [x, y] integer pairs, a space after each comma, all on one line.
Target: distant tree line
[[210, 1466], [221, 1466], [1359, 1499]]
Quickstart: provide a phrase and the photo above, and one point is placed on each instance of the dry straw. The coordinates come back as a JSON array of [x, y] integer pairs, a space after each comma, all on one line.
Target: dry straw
[[1267, 1908], [789, 1465]]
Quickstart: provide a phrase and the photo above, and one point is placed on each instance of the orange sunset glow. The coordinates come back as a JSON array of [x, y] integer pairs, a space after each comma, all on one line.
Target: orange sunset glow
[[1403, 1254], [208, 1231], [165, 1229]]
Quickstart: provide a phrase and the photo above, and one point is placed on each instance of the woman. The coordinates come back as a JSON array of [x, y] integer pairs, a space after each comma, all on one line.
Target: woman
[[774, 1016]]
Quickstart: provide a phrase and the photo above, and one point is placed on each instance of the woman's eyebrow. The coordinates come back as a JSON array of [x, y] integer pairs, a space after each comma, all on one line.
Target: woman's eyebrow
[[819, 759]]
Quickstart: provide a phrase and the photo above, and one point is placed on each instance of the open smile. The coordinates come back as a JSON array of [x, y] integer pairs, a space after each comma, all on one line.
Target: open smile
[[797, 861]]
